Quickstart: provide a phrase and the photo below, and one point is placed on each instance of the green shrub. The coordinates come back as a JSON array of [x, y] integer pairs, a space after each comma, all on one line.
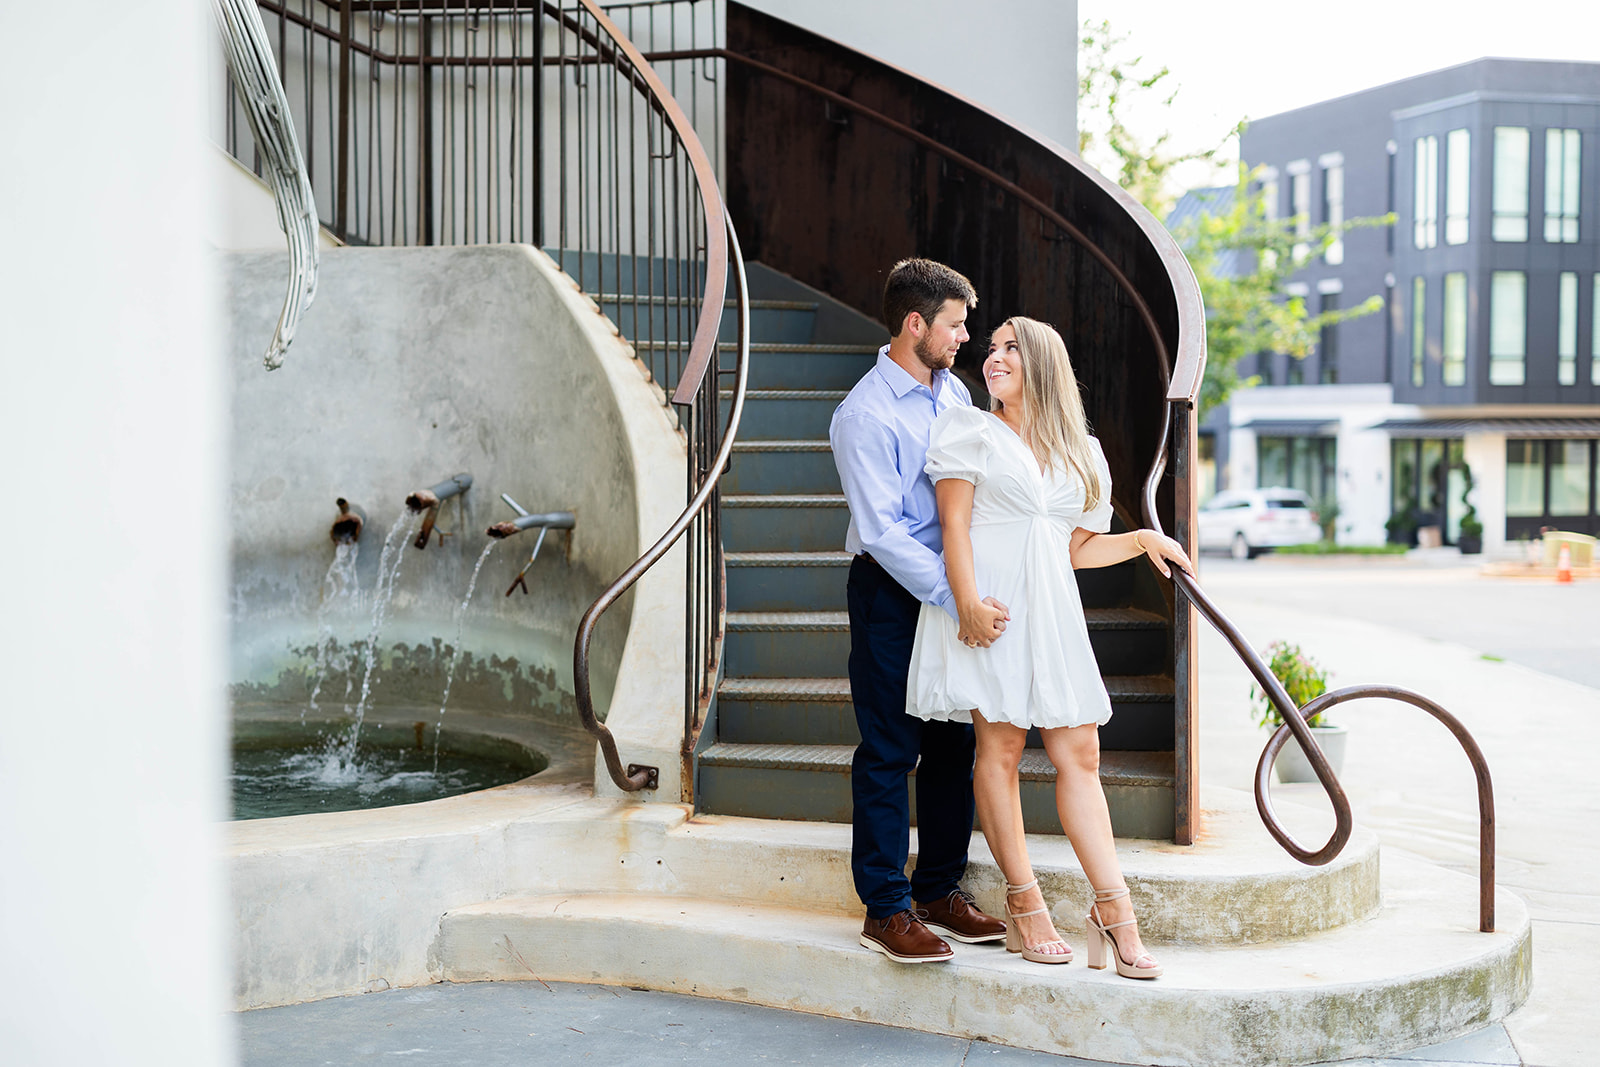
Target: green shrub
[[1303, 679]]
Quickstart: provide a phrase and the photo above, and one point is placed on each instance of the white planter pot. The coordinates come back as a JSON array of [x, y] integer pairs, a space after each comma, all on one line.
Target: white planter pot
[[1292, 764]]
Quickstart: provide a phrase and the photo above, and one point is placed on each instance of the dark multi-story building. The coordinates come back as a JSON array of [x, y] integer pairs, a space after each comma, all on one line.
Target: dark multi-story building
[[1486, 357]]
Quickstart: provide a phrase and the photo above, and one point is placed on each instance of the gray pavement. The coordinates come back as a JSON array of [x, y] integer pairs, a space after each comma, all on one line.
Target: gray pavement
[[1516, 661], [501, 1024]]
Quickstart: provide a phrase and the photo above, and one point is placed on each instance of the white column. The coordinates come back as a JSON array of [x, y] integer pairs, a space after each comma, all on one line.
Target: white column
[[113, 762], [1485, 454]]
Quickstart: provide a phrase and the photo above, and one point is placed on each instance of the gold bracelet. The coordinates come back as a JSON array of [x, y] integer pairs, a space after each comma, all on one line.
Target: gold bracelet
[[1137, 544]]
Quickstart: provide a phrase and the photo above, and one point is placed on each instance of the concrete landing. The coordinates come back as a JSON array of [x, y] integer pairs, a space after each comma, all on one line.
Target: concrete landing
[[1415, 973]]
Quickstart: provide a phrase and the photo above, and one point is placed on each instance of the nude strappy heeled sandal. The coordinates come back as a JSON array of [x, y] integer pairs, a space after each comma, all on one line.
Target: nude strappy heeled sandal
[[1014, 941], [1144, 966]]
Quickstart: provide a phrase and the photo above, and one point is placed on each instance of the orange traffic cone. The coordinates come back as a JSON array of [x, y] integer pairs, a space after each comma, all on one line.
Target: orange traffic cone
[[1564, 564]]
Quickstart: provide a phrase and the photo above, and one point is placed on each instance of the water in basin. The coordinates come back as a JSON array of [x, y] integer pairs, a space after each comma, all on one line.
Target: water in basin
[[273, 779]]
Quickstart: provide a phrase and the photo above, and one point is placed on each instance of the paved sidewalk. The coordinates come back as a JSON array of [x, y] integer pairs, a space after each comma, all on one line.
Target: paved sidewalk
[[1394, 622], [1452, 636], [517, 1024]]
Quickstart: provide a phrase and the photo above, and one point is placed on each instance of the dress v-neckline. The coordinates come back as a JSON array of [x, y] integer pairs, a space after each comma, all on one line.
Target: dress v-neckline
[[1034, 460]]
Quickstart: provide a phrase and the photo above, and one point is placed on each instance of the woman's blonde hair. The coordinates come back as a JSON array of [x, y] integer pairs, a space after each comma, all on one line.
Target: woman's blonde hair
[[1053, 422]]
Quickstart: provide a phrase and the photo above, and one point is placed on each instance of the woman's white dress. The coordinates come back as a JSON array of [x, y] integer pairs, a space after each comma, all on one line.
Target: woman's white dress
[[1041, 671]]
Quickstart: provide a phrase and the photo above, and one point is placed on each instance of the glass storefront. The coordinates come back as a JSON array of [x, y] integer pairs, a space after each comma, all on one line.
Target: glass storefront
[[1427, 480], [1551, 484]]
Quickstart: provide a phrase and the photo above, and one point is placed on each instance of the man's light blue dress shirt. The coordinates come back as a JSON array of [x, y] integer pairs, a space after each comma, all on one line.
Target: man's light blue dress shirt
[[880, 445]]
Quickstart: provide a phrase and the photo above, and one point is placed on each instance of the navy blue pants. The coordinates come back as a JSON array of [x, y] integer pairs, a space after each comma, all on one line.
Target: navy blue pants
[[883, 626]]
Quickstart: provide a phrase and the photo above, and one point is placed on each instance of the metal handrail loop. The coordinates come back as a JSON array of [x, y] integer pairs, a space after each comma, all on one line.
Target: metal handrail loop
[[1480, 770]]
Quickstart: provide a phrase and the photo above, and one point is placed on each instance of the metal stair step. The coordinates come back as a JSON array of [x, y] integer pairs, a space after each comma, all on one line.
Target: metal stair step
[[812, 782], [795, 522], [782, 466]]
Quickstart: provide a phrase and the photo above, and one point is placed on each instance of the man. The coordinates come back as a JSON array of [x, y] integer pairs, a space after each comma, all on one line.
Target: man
[[880, 444]]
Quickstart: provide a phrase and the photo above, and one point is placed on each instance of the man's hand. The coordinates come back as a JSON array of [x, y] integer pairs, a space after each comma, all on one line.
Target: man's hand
[[982, 623]]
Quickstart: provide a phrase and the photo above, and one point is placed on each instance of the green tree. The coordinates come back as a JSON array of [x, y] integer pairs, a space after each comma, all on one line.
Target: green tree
[[1111, 80], [1247, 308]]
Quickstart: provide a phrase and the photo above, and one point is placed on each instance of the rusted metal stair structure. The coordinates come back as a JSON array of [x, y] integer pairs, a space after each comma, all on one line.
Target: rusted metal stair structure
[[780, 741]]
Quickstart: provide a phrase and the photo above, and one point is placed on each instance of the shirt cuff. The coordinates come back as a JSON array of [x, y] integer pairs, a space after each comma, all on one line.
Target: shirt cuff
[[948, 603]]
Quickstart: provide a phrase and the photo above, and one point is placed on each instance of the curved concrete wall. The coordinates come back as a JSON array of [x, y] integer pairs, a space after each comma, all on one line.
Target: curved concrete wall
[[412, 365]]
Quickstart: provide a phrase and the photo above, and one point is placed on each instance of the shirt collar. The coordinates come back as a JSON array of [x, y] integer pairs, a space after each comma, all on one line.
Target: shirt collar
[[900, 380]]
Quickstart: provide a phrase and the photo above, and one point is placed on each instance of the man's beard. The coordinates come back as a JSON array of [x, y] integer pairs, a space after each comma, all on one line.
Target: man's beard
[[931, 358]]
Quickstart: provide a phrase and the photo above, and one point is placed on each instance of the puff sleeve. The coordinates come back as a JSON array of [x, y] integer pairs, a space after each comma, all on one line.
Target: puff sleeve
[[959, 445], [1099, 520]]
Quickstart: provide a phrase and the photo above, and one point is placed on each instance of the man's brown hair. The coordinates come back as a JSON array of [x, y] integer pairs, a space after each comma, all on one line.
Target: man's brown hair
[[922, 285]]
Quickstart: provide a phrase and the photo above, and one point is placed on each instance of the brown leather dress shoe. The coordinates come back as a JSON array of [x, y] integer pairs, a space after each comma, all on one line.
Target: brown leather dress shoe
[[904, 939], [959, 918]]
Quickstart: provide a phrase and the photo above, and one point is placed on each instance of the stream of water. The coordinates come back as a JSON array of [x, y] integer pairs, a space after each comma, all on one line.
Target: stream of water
[[339, 585], [455, 653]]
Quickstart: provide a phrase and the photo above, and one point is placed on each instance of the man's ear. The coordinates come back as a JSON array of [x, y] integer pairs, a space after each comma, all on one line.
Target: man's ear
[[915, 323]]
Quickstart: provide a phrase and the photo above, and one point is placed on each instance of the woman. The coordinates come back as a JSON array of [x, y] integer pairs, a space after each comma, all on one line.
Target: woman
[[1024, 498]]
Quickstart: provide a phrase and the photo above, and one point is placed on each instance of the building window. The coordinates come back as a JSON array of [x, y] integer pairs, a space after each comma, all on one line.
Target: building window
[[1391, 326], [1508, 327], [1524, 479], [1510, 184], [1455, 328], [1569, 477], [1457, 185], [1264, 362], [1328, 342], [1309, 464], [1333, 210], [1419, 318], [1567, 330], [1388, 202], [1300, 209], [1425, 183], [1297, 371], [1561, 149], [1594, 342]]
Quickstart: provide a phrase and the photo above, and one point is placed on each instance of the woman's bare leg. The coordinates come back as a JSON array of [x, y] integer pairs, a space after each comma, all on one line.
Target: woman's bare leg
[[998, 795], [1081, 803]]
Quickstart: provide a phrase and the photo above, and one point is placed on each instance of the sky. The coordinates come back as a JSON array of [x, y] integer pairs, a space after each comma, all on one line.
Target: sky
[[1236, 60]]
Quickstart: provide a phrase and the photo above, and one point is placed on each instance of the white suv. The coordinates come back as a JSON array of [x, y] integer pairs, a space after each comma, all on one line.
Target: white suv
[[1251, 521]]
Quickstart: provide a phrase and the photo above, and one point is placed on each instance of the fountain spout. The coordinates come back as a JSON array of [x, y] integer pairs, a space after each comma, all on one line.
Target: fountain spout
[[428, 500], [423, 499], [346, 528], [552, 520]]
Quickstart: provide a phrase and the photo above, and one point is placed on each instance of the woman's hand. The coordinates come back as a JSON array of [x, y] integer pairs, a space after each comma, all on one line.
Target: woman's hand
[[1161, 548], [982, 622]]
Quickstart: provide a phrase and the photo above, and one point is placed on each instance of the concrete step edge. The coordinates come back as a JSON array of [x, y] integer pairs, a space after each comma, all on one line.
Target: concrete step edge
[[1412, 975]]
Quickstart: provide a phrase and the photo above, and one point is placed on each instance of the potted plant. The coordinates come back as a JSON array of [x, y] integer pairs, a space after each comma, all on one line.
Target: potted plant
[[1470, 538], [1304, 680], [1402, 527]]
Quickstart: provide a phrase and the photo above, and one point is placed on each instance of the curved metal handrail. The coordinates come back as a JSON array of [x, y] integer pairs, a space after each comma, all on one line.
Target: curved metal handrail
[[635, 778], [1182, 384], [255, 74], [720, 239]]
